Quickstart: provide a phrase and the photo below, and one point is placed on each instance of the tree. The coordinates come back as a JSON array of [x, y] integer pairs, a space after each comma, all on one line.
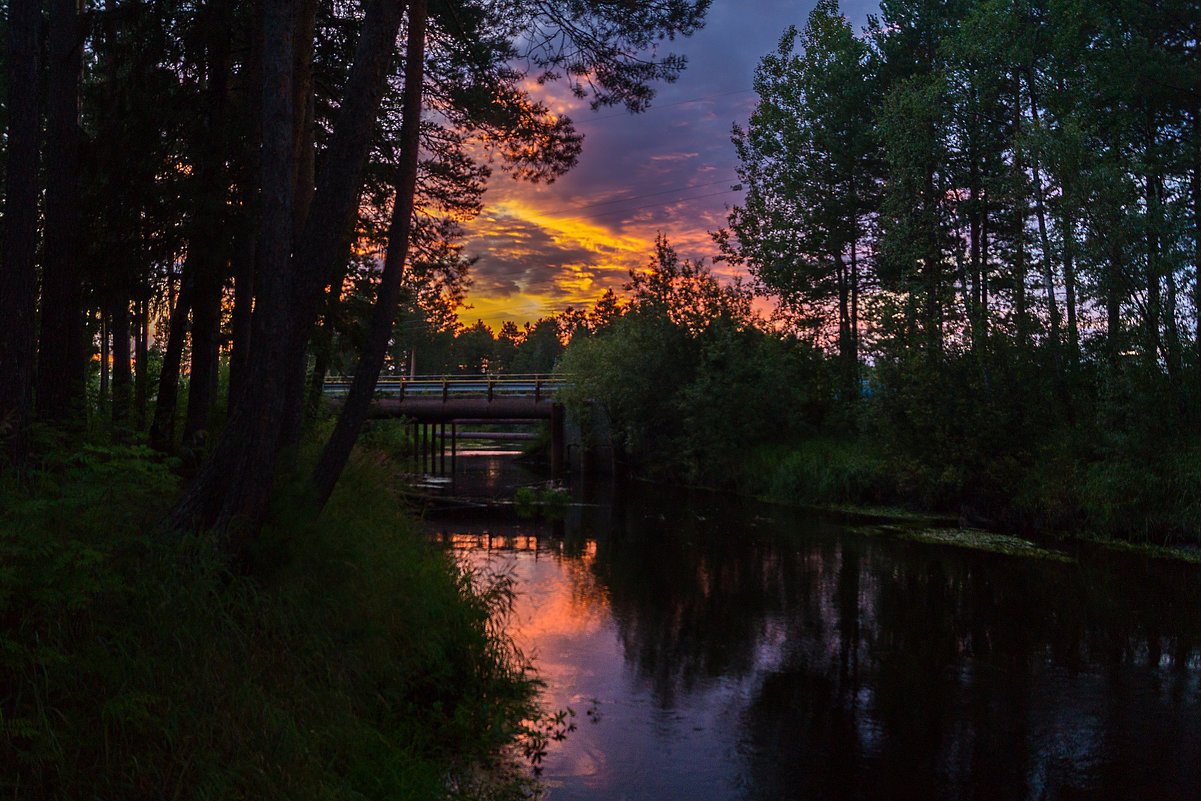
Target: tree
[[595, 40], [18, 286], [61, 360], [809, 163]]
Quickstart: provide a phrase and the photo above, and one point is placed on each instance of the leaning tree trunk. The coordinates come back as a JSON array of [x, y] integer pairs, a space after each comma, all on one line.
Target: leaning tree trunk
[[371, 360], [235, 483], [18, 276]]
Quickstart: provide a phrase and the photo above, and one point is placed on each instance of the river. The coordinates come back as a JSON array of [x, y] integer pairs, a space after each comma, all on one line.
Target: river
[[713, 648]]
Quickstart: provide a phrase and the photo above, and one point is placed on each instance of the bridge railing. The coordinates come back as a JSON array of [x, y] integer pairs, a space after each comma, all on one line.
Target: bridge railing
[[533, 385]]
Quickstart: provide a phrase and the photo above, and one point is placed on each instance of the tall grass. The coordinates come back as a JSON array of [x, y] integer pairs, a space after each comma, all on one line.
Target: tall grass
[[820, 471], [352, 660]]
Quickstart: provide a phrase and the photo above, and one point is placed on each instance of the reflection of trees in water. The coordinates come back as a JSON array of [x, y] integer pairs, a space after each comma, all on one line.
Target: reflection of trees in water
[[690, 602], [886, 669]]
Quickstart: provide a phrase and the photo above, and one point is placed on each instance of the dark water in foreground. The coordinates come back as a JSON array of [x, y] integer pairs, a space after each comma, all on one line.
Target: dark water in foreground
[[714, 649]]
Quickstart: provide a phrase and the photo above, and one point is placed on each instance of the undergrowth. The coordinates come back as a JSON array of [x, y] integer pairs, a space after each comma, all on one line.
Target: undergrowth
[[351, 659]]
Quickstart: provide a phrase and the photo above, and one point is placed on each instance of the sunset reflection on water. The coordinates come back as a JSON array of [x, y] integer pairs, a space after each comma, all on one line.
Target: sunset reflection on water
[[726, 655]]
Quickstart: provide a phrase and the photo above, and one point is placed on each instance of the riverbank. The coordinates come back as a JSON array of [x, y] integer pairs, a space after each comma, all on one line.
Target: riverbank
[[348, 657], [1153, 504]]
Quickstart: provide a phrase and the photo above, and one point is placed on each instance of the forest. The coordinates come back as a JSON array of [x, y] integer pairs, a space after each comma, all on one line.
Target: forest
[[200, 199], [980, 223], [977, 223]]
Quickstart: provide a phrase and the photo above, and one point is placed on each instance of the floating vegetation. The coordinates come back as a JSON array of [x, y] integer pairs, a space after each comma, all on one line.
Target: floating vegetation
[[985, 541], [545, 500]]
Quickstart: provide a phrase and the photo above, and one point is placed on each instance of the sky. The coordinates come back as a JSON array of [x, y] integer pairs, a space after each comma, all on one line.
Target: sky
[[670, 169]]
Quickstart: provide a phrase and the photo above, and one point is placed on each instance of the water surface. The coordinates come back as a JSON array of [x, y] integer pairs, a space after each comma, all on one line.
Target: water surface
[[715, 649]]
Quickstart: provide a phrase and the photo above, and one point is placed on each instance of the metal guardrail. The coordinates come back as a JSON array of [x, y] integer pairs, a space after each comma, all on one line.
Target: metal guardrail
[[536, 386]]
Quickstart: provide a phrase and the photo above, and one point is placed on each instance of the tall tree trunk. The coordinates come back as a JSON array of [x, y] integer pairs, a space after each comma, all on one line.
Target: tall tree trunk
[[1195, 191], [105, 355], [241, 325], [846, 348], [162, 430], [1113, 308], [1021, 211], [141, 358], [371, 360], [245, 255], [122, 377], [61, 358], [1067, 235], [206, 333], [208, 253], [855, 306], [304, 111], [304, 161], [236, 480], [1054, 320], [1153, 273], [18, 273]]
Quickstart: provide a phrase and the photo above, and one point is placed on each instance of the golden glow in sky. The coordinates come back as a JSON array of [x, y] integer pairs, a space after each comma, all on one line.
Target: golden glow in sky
[[670, 170]]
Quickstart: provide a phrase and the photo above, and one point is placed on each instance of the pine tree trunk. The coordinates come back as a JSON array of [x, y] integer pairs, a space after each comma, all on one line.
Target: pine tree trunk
[[18, 276], [162, 430], [846, 348], [1054, 336], [206, 332], [1069, 280], [235, 482], [371, 360], [61, 358], [208, 254], [122, 376], [855, 309], [1195, 191], [241, 324], [105, 354], [141, 358], [304, 110]]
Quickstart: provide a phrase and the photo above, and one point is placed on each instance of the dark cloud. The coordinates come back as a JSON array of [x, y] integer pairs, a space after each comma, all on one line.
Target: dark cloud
[[522, 257], [670, 169]]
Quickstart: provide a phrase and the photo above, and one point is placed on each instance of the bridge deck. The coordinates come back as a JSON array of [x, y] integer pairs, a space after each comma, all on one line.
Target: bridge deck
[[442, 399]]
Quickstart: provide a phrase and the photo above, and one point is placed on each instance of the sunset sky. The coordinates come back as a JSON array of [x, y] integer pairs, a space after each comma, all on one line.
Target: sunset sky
[[672, 168]]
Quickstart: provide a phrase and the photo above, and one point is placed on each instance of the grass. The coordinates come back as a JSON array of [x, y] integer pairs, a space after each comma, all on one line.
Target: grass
[[353, 660]]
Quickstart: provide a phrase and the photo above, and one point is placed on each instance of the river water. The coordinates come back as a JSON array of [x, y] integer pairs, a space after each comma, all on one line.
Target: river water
[[713, 648]]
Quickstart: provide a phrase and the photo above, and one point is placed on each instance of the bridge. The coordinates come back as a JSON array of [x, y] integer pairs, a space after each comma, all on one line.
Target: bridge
[[431, 403]]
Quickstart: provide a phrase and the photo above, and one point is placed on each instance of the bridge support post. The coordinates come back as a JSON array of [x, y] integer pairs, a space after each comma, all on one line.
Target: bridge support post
[[412, 431], [425, 447], [442, 448], [557, 450]]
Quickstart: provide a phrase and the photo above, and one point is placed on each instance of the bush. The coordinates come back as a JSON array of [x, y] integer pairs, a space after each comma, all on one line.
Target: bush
[[823, 471], [354, 661]]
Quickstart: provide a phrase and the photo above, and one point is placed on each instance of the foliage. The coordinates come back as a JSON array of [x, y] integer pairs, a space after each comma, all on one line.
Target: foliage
[[689, 377], [546, 500], [1026, 204], [352, 660]]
